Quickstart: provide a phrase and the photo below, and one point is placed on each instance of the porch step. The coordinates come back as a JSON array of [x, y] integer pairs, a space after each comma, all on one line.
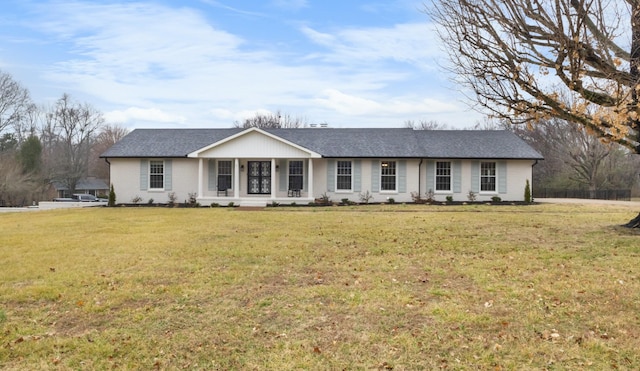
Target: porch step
[[251, 203]]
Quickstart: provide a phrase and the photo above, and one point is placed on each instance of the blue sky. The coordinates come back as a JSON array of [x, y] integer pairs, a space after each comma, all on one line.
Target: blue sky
[[207, 63]]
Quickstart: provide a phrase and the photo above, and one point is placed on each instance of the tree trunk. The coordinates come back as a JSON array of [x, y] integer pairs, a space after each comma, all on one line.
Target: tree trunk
[[635, 76], [634, 223], [634, 62]]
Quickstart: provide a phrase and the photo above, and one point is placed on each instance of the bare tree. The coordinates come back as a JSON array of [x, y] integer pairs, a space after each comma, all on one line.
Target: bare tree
[[108, 136], [68, 134], [17, 187], [15, 102], [488, 124], [585, 154], [424, 125], [28, 126], [532, 60], [272, 121], [574, 158]]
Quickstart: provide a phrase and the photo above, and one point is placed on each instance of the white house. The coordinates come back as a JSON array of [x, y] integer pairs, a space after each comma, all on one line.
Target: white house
[[260, 166]]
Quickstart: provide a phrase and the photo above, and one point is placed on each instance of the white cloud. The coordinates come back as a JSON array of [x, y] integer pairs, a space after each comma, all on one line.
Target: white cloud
[[317, 37], [353, 105], [134, 114], [411, 43], [139, 41], [146, 62]]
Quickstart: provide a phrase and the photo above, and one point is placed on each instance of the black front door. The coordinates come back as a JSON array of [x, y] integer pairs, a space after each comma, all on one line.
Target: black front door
[[259, 177]]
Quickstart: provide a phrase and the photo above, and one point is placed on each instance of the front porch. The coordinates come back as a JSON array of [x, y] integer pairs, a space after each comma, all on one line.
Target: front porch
[[255, 182], [237, 170], [254, 201]]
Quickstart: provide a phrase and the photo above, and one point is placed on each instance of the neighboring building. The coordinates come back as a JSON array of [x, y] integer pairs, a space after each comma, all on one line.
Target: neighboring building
[[90, 185], [257, 167]]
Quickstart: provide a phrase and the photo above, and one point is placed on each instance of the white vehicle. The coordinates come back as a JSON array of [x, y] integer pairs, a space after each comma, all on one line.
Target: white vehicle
[[79, 197]]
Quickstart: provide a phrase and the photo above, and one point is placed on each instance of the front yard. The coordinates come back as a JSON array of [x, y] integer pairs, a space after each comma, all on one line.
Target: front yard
[[364, 287]]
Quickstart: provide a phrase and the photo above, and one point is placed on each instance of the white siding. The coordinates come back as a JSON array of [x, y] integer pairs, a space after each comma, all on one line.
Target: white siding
[[518, 171], [125, 177], [367, 169], [255, 145]]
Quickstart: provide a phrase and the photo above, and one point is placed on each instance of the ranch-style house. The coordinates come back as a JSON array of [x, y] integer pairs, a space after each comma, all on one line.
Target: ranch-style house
[[256, 167]]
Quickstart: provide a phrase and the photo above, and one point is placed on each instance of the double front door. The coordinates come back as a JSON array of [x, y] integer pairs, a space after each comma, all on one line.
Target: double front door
[[259, 177]]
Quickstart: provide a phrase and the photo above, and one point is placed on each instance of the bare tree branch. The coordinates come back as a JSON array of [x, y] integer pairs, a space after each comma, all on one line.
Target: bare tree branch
[[68, 135], [531, 60], [15, 102], [272, 121]]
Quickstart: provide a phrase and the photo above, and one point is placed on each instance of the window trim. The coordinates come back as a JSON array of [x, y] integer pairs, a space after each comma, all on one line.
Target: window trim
[[494, 176], [230, 172], [395, 176], [150, 174], [436, 176], [344, 190], [301, 175]]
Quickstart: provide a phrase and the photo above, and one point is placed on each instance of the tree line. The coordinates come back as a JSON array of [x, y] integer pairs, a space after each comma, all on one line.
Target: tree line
[[40, 145]]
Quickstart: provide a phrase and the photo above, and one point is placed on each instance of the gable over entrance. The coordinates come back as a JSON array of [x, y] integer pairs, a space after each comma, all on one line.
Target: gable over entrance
[[253, 143]]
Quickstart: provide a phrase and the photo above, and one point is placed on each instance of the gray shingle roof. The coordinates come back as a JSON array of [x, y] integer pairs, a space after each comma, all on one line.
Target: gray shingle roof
[[354, 142], [465, 144], [329, 142], [166, 142]]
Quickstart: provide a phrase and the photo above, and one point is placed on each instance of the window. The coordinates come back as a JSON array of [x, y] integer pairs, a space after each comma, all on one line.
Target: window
[[487, 177], [224, 175], [156, 174], [343, 176], [388, 176], [443, 176], [295, 175]]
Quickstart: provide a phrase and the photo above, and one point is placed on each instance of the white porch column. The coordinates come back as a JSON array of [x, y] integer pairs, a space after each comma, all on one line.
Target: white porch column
[[236, 179], [200, 176], [274, 189], [310, 178]]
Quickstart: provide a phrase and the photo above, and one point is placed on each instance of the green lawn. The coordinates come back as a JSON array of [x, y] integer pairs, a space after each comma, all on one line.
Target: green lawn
[[363, 287]]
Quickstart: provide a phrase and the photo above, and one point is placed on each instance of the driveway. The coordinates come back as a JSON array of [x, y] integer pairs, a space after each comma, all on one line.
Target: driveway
[[17, 209], [582, 201]]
